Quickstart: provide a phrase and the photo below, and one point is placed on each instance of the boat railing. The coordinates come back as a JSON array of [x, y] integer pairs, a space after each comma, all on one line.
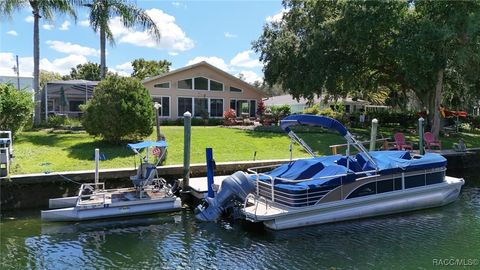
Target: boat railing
[[267, 186], [96, 194]]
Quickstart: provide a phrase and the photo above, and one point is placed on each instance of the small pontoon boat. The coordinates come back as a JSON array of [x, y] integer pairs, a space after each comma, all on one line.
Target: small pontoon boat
[[149, 194], [334, 188]]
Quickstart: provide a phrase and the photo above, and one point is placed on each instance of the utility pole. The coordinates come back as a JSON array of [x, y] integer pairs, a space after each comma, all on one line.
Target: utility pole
[[17, 70]]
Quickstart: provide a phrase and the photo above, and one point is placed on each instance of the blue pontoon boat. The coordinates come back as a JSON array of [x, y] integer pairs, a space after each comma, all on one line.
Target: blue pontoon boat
[[318, 190]]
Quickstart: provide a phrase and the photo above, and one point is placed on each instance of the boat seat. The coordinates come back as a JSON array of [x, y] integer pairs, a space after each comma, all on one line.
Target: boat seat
[[144, 176]]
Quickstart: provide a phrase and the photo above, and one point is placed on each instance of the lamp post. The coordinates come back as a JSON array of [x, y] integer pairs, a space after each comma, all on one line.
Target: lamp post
[[157, 108]]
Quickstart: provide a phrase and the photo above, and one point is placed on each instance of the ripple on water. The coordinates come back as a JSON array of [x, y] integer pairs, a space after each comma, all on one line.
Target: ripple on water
[[172, 241]]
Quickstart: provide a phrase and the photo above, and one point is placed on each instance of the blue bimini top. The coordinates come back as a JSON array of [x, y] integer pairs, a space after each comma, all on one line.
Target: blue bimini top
[[146, 144], [400, 161], [312, 120]]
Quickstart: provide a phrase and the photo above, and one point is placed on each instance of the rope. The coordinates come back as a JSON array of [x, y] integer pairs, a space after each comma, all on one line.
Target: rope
[[68, 179]]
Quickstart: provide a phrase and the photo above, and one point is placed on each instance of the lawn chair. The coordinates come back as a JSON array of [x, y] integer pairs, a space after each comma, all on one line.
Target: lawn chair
[[400, 142], [431, 141]]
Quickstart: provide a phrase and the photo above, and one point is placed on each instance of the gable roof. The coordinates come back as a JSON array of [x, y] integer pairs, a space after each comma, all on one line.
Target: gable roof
[[203, 63]]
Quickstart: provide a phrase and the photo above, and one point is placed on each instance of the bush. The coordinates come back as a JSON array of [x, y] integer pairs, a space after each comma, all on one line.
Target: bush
[[391, 118], [279, 112], [16, 108], [229, 117], [121, 108], [64, 122], [315, 109]]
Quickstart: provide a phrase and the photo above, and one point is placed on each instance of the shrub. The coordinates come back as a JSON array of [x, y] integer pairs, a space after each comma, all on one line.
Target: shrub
[[392, 118], [261, 109], [279, 112], [16, 108], [229, 117], [121, 108], [315, 109]]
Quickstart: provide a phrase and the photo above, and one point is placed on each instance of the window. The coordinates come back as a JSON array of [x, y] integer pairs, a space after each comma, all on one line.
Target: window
[[216, 86], [385, 186], [164, 111], [242, 107], [162, 85], [201, 83], [233, 104], [184, 105], [253, 107], [185, 84], [347, 108], [234, 89], [365, 190], [216, 107], [201, 107], [74, 105]]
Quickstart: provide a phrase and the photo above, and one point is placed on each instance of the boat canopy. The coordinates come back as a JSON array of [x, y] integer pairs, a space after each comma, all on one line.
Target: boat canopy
[[312, 120], [146, 144]]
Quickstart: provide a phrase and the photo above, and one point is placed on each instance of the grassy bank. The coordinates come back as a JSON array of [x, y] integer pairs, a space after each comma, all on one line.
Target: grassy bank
[[40, 151]]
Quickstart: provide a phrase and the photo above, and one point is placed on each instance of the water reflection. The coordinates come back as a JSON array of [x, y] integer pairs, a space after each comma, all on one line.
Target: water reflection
[[406, 241]]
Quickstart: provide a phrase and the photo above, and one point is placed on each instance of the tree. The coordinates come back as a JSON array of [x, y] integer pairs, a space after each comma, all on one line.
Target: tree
[[48, 76], [40, 9], [360, 48], [101, 11], [88, 71], [16, 107], [143, 69], [119, 98]]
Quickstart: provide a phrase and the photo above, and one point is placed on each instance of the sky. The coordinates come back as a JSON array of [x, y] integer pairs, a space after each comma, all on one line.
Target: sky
[[219, 32]]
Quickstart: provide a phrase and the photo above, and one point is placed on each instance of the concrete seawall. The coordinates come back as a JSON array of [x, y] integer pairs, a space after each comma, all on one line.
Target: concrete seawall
[[34, 190]]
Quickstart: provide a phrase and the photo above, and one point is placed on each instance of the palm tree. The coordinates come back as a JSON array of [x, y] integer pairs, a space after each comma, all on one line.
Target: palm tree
[[40, 9], [101, 11]]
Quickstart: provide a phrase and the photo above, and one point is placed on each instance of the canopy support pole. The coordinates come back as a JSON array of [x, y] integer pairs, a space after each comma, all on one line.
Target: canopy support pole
[[307, 148]]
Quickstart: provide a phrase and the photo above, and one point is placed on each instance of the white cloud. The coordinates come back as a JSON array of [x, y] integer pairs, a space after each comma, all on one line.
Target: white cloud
[[84, 23], [213, 60], [230, 35], [29, 19], [277, 17], [173, 38], [176, 4], [173, 53], [60, 65], [65, 25], [70, 48], [124, 69], [242, 59], [250, 76], [48, 26], [179, 4], [12, 33]]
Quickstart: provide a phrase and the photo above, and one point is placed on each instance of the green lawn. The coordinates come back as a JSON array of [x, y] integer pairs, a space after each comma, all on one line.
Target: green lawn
[[40, 151]]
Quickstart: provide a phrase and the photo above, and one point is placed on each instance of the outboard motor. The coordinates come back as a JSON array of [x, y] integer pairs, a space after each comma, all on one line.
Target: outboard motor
[[236, 186]]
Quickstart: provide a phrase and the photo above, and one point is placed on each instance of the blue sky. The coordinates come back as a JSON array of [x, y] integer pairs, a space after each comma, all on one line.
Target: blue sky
[[219, 32]]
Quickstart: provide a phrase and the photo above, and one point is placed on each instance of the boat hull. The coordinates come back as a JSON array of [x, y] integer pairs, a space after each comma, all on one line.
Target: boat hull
[[113, 210], [361, 207]]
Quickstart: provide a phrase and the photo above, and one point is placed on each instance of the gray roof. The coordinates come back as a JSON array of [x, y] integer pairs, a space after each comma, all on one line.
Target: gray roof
[[289, 100]]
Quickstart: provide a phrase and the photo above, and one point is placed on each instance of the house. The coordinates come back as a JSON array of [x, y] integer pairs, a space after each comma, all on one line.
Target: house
[[25, 82], [65, 97], [298, 106], [202, 89]]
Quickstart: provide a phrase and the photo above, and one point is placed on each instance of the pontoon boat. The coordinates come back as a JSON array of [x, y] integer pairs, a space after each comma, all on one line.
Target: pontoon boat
[[149, 194], [334, 188]]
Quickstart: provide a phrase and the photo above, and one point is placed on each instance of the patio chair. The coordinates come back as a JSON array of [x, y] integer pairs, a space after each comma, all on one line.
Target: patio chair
[[400, 142], [431, 141]]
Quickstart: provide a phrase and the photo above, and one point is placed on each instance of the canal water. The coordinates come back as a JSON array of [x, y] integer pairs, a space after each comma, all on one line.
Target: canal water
[[418, 240]]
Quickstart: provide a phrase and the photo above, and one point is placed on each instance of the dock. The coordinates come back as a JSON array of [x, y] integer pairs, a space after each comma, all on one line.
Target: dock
[[199, 185]]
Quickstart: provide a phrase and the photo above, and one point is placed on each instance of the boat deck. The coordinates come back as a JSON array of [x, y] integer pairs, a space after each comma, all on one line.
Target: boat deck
[[120, 195]]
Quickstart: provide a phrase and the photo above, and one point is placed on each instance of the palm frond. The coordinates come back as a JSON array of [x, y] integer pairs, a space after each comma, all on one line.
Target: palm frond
[[7, 7], [132, 16]]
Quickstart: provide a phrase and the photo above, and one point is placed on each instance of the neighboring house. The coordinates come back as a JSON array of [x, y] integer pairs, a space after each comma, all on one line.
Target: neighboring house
[[65, 97], [200, 89], [25, 82], [298, 106]]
